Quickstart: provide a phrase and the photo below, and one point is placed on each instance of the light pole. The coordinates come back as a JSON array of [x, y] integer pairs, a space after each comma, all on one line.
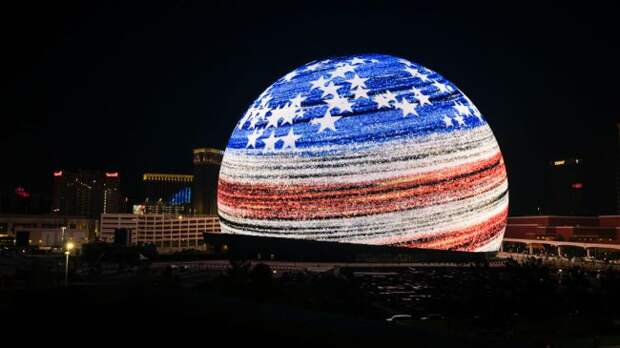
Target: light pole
[[62, 235], [68, 248]]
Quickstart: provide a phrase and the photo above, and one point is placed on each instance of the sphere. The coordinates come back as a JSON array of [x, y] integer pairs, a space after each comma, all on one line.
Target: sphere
[[367, 149]]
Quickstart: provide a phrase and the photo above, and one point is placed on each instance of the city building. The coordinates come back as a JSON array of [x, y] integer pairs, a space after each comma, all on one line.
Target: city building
[[19, 200], [618, 169], [564, 188], [167, 193], [595, 229], [583, 235], [207, 163], [168, 233], [85, 193], [47, 231], [112, 199]]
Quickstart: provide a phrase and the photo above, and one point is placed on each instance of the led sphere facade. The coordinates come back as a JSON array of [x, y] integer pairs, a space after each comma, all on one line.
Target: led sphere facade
[[367, 149]]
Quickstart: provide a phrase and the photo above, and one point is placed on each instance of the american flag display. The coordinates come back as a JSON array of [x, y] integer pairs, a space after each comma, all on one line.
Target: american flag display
[[365, 149]]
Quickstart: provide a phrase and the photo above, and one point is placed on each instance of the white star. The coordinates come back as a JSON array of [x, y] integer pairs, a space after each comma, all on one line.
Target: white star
[[415, 90], [447, 121], [381, 101], [441, 87], [270, 143], [289, 140], [348, 68], [252, 138], [262, 112], [299, 112], [248, 115], [338, 102], [253, 122], [296, 102], [253, 115], [264, 101], [272, 120], [356, 61], [319, 83], [390, 97], [473, 108], [461, 109], [360, 93], [416, 73], [288, 113], [357, 81], [342, 70], [412, 71], [406, 107], [421, 97], [289, 76], [337, 73], [424, 77], [313, 67], [326, 122], [459, 120], [330, 89]]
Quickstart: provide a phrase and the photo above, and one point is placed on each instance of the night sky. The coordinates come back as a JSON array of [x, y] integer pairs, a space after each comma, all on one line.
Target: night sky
[[134, 87]]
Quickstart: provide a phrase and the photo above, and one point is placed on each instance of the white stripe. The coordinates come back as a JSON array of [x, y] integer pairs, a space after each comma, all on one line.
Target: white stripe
[[285, 168]]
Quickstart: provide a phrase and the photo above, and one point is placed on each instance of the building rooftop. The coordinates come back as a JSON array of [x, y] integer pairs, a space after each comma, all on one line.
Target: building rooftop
[[167, 177]]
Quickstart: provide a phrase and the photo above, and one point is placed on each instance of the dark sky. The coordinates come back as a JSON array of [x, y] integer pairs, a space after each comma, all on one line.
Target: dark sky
[[134, 87]]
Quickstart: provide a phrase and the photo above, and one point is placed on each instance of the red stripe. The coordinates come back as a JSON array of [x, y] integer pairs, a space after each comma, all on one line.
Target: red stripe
[[466, 239], [268, 201]]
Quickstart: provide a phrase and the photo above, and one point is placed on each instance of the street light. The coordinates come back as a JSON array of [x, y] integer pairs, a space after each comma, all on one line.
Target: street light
[[68, 249], [62, 235]]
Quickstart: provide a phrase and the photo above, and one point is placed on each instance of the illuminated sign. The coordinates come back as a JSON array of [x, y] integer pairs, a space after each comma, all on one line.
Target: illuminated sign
[[559, 163], [366, 149], [58, 173], [111, 175]]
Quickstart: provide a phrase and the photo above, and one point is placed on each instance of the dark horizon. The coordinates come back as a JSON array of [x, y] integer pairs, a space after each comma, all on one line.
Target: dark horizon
[[134, 87]]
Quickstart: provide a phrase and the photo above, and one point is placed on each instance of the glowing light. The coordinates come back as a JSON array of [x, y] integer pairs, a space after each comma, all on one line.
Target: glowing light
[[183, 196], [70, 246], [111, 175], [367, 149], [58, 173], [138, 209], [167, 177], [21, 192], [559, 163], [576, 185]]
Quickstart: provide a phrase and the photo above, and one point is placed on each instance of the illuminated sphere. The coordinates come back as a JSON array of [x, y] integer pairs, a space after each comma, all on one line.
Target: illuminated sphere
[[366, 149]]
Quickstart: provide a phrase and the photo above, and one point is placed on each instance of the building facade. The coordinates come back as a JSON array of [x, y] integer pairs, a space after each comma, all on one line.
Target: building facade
[[603, 229], [167, 193], [207, 163], [564, 192], [85, 193], [167, 232], [618, 169], [112, 197], [47, 231]]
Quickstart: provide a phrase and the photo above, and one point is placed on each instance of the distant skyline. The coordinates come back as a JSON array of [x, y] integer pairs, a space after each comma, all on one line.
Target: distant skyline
[[134, 87]]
